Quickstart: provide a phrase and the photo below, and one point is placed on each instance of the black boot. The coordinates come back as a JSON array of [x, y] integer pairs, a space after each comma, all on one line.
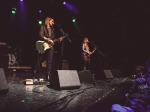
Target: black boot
[[47, 77], [33, 73]]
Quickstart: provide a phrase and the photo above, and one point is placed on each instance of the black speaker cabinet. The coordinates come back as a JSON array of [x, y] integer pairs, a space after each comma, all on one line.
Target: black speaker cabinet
[[85, 76], [65, 79], [3, 82], [115, 73], [108, 74], [104, 74]]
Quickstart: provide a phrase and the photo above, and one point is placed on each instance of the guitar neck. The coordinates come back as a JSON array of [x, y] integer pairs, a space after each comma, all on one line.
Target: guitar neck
[[93, 50], [56, 40]]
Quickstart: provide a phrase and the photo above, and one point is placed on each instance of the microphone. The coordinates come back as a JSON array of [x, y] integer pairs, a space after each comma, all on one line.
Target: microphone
[[51, 24], [57, 24]]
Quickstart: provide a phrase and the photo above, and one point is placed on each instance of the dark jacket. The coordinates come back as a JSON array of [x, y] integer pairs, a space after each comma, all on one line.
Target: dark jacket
[[44, 33]]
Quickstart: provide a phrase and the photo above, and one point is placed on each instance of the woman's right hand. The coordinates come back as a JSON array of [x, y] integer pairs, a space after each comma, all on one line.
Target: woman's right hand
[[51, 42], [90, 53]]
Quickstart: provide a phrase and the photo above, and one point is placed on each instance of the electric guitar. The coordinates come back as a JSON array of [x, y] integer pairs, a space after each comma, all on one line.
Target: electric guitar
[[42, 46], [87, 56]]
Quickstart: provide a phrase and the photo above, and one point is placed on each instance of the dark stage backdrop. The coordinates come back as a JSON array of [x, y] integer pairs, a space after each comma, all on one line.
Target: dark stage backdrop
[[120, 30]]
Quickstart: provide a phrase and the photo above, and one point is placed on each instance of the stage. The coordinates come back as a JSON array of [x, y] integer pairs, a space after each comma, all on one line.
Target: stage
[[97, 97]]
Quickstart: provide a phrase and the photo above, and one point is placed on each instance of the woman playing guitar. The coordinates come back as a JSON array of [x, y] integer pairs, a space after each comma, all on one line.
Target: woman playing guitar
[[47, 34], [86, 53]]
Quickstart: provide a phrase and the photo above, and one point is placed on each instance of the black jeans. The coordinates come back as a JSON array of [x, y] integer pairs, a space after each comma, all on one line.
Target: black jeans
[[85, 65], [48, 56]]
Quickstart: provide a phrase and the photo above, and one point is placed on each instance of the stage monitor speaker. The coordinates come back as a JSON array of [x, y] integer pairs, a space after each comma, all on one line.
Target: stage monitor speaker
[[85, 76], [104, 74], [120, 73], [65, 79], [3, 82], [108, 74], [115, 73]]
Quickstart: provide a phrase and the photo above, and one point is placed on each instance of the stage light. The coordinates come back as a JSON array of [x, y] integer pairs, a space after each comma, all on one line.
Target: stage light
[[71, 7], [21, 0], [40, 11], [64, 3], [14, 10], [9, 47], [40, 22], [73, 20]]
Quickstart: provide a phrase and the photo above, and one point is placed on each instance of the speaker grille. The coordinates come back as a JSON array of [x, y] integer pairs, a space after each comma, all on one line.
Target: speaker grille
[[86, 77], [65, 79], [3, 82], [108, 74], [68, 78]]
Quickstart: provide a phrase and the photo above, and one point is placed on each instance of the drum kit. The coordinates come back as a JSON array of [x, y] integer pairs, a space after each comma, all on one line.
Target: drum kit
[[15, 57]]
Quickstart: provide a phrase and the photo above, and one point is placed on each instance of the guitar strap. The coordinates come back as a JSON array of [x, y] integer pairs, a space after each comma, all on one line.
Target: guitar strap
[[46, 30], [50, 32]]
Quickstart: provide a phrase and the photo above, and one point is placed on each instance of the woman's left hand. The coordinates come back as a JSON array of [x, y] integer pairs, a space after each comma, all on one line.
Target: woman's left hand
[[60, 39], [90, 53]]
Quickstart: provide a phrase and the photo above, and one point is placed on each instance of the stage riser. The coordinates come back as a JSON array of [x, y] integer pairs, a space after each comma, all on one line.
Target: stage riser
[[20, 67]]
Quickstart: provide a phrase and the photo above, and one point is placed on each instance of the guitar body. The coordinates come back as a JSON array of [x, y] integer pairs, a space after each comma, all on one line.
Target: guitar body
[[42, 46], [86, 57]]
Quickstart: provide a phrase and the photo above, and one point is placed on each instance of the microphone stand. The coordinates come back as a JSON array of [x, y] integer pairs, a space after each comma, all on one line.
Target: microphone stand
[[62, 47], [100, 52], [66, 35], [97, 49]]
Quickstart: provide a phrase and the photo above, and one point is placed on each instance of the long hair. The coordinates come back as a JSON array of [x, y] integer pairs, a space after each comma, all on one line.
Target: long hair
[[47, 20], [86, 45], [84, 39]]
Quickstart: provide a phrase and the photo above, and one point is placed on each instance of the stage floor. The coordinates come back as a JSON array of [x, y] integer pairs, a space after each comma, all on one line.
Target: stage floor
[[43, 98]]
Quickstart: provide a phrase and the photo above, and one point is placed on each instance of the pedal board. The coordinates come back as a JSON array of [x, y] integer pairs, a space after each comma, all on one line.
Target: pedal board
[[28, 81], [36, 82]]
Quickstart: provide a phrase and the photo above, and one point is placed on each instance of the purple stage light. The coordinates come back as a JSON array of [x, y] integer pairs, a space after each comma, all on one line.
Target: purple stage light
[[64, 3], [71, 8], [40, 11]]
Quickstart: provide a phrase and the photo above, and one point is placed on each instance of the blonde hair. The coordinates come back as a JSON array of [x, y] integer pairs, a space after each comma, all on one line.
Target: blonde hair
[[47, 20], [84, 39], [86, 45]]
